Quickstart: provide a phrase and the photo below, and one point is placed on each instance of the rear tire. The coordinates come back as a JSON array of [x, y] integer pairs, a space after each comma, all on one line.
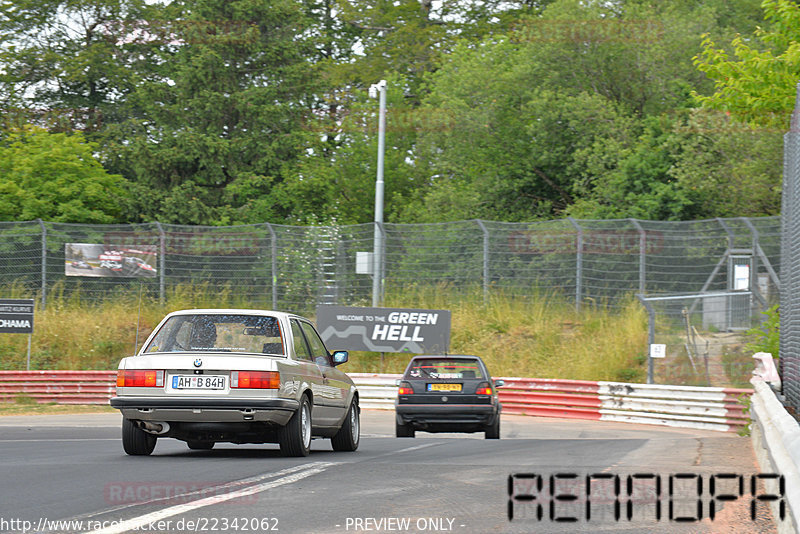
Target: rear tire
[[200, 445], [403, 431], [493, 431], [295, 437], [136, 441], [349, 435]]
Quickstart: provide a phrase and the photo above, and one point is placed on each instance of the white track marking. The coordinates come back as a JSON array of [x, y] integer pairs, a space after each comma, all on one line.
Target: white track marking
[[300, 473]]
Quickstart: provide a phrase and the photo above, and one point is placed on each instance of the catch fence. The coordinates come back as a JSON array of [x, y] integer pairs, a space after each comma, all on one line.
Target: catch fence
[[790, 272], [296, 268]]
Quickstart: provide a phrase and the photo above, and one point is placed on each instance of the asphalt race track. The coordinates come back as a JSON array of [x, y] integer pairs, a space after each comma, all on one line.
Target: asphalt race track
[[73, 468]]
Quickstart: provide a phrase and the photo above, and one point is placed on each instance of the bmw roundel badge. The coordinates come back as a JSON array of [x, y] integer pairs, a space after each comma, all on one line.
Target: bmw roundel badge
[[198, 362]]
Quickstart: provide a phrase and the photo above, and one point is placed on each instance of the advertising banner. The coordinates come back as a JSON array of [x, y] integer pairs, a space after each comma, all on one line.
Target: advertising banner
[[16, 316], [91, 259], [385, 329]]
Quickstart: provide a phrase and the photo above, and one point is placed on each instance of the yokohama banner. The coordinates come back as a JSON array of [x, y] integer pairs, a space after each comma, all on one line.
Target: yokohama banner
[[16, 316]]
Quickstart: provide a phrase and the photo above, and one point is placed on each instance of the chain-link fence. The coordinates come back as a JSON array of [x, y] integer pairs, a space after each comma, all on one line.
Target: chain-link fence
[[790, 271], [295, 268], [701, 337]]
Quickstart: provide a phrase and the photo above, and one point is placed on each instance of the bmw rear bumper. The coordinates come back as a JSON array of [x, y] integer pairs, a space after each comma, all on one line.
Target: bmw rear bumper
[[276, 410]]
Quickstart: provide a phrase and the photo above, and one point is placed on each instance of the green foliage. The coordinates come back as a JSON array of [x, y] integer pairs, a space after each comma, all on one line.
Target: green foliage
[[62, 63], [247, 111], [222, 108], [55, 177], [694, 164], [766, 337], [756, 81], [335, 179]]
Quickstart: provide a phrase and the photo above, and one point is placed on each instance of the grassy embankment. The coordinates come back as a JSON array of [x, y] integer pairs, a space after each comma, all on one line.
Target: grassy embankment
[[540, 337]]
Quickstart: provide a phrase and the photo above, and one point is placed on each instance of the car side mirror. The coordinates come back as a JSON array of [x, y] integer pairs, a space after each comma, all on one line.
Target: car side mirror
[[498, 383], [339, 357]]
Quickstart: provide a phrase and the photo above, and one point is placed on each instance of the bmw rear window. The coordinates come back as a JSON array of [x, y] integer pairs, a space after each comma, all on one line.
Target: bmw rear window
[[444, 369], [219, 333]]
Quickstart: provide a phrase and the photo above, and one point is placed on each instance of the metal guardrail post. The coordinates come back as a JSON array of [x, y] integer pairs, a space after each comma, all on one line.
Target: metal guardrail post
[[578, 264], [274, 265], [485, 261], [44, 263]]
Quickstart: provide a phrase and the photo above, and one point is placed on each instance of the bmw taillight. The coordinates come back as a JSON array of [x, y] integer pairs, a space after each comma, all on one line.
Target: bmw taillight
[[255, 380], [140, 378], [405, 389], [483, 389]]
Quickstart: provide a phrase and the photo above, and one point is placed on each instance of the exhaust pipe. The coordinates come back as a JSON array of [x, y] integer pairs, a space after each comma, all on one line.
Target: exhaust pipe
[[157, 428]]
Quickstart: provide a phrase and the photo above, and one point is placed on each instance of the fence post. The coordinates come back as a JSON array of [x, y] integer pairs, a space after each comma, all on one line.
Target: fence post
[[162, 262], [754, 266], [651, 333], [642, 253], [485, 261], [719, 265], [44, 263], [378, 264], [274, 265], [578, 264]]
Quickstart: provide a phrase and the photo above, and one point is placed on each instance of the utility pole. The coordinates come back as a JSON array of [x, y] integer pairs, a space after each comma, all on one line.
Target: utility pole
[[377, 256]]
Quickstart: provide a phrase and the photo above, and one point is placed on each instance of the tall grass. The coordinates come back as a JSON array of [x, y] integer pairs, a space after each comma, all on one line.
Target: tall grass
[[542, 336]]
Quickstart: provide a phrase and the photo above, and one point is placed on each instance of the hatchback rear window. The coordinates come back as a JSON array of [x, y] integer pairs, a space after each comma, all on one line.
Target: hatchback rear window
[[444, 369]]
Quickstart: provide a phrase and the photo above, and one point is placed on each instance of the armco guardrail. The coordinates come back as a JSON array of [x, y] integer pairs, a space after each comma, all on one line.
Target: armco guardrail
[[775, 434], [96, 387], [61, 387], [680, 406], [707, 408], [377, 391]]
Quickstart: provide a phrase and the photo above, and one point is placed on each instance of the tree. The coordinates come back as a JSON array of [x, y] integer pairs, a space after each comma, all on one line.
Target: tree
[[572, 113], [509, 149], [68, 64], [55, 177], [757, 86], [219, 116], [411, 37], [695, 164], [729, 168], [336, 181]]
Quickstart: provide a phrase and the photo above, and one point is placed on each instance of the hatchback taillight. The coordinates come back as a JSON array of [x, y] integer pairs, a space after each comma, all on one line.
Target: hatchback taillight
[[140, 378], [483, 389], [255, 380], [405, 389]]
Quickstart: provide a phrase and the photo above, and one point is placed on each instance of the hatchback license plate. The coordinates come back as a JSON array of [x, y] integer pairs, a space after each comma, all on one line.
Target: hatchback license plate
[[198, 382], [444, 387]]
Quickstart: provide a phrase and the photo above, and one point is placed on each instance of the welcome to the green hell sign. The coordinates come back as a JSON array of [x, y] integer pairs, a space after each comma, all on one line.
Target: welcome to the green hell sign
[[385, 329]]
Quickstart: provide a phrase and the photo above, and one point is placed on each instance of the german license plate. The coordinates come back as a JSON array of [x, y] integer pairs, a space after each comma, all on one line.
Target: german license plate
[[444, 387], [198, 382]]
